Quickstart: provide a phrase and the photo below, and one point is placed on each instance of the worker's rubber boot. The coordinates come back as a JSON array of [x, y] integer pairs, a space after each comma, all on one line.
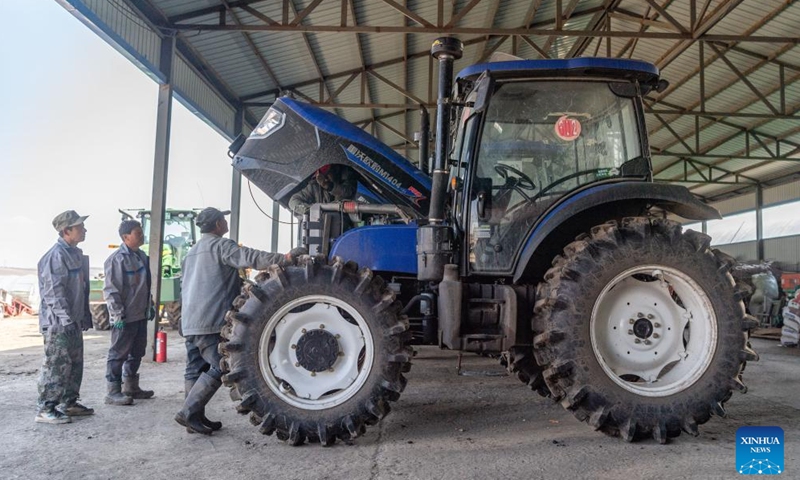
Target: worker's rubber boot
[[191, 414], [115, 396], [187, 387], [130, 387]]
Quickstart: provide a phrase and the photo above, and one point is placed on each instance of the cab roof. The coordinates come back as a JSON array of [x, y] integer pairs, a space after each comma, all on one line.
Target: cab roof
[[623, 69]]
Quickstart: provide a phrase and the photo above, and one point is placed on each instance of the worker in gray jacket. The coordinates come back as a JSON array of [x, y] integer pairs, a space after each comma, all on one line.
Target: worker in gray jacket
[[210, 282], [63, 317], [130, 306]]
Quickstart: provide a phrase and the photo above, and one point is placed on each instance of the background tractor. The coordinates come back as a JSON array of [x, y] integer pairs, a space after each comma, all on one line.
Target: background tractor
[[180, 233], [539, 236]]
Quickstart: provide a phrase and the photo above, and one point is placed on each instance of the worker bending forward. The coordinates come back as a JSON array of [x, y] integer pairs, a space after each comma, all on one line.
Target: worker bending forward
[[210, 283]]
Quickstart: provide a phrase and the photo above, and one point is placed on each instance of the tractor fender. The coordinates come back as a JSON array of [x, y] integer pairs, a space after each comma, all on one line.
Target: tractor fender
[[619, 198]]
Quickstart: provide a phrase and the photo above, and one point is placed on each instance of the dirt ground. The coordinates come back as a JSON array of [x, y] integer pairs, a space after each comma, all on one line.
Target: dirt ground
[[445, 426]]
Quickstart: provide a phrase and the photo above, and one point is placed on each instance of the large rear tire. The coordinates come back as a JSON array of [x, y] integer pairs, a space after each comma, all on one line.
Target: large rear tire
[[100, 317], [316, 351], [173, 314], [643, 332]]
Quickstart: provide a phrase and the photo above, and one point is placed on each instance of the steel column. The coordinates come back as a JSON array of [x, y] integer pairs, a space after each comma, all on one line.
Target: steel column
[[160, 169], [760, 223], [236, 182]]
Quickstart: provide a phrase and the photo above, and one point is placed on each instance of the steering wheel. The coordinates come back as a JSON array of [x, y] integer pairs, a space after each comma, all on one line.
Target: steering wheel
[[523, 181], [519, 182]]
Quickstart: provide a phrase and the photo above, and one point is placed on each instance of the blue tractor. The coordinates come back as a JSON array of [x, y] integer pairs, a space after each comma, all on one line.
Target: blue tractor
[[539, 236]]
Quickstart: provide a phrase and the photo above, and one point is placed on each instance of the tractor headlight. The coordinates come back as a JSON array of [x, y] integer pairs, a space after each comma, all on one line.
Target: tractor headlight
[[268, 125]]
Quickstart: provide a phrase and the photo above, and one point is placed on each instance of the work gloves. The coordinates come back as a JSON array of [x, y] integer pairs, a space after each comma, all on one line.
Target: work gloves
[[118, 324], [295, 253], [151, 312]]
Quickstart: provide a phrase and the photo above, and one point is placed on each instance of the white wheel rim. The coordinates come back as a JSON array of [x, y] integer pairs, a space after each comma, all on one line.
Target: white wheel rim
[[677, 347], [298, 386]]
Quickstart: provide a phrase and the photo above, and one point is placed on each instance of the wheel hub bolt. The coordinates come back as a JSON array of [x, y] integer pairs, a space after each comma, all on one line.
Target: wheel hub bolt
[[655, 335], [650, 316], [294, 347], [631, 321], [296, 364], [303, 330], [657, 325], [636, 340], [647, 342], [330, 369], [640, 314], [322, 326], [630, 332], [313, 374]]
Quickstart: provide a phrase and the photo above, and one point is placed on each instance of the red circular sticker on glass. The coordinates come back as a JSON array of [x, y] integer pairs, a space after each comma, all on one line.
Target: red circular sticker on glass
[[568, 128]]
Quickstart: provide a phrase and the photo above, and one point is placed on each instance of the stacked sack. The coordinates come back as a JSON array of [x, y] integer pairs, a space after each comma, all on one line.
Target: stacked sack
[[790, 334]]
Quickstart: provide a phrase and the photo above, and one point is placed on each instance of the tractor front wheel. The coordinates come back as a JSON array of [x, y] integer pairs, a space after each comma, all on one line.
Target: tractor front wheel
[[316, 351]]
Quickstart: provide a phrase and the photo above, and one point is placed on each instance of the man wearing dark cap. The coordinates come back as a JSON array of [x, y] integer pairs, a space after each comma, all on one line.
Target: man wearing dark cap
[[63, 317], [210, 282], [331, 183], [130, 306]]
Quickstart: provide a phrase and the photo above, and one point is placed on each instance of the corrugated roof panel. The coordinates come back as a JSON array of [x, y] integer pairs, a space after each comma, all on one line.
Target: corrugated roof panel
[[195, 90], [748, 15], [124, 21], [175, 7], [422, 81], [384, 93], [230, 56]]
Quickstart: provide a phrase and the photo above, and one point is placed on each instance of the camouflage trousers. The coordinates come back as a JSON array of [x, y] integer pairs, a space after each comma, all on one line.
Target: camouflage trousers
[[62, 370]]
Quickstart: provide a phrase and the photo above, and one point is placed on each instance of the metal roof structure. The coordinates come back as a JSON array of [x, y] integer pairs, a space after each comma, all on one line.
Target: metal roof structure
[[728, 124]]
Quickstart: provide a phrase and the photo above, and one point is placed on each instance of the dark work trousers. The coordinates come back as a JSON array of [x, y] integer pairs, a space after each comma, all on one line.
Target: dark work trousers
[[202, 355], [62, 370], [128, 346]]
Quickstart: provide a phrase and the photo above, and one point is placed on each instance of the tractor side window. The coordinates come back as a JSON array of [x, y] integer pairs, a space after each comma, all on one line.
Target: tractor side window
[[463, 154], [540, 141]]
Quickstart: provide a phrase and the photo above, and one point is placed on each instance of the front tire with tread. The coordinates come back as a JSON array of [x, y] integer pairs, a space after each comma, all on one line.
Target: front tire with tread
[[294, 419]]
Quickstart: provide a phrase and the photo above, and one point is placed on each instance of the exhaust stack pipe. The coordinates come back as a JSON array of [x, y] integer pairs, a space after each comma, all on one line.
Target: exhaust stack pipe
[[434, 239], [446, 50]]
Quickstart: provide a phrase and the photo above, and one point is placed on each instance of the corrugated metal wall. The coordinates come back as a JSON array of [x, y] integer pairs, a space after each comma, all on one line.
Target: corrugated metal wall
[[194, 89], [740, 251], [736, 204], [782, 193], [784, 250]]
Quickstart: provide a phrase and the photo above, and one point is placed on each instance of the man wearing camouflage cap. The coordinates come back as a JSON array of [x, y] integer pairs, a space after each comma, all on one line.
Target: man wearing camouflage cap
[[63, 317], [210, 282]]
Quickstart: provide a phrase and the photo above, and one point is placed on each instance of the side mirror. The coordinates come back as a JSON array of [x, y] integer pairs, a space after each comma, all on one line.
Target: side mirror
[[237, 143], [662, 85], [484, 87]]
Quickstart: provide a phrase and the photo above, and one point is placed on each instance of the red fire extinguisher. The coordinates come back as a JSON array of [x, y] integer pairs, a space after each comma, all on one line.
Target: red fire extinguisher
[[161, 346]]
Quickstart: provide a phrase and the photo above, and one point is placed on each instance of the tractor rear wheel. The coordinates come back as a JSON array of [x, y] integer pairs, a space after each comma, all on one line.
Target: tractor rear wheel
[[316, 351], [100, 317], [173, 314], [642, 329]]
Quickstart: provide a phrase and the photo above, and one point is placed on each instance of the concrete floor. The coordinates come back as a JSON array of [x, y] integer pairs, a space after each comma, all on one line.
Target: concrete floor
[[445, 426]]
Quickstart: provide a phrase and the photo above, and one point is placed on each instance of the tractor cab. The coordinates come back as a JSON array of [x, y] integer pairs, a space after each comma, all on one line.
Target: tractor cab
[[531, 133]]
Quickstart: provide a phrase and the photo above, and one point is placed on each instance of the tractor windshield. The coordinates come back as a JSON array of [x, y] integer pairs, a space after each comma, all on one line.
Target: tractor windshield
[[541, 140]]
